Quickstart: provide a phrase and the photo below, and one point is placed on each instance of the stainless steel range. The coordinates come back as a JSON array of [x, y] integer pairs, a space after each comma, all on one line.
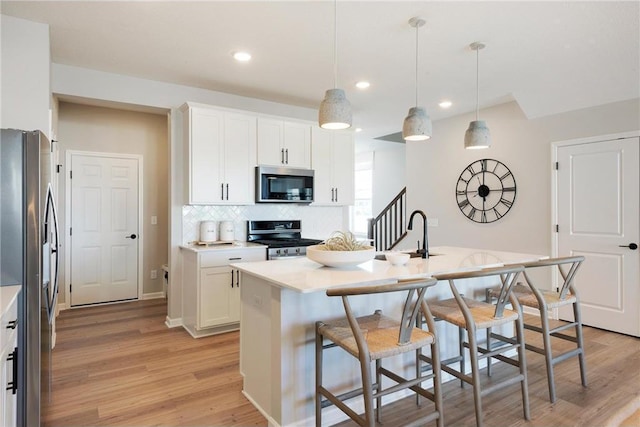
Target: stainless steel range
[[282, 237]]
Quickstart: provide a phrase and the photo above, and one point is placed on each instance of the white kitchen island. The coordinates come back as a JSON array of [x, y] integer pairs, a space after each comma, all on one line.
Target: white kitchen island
[[281, 301]]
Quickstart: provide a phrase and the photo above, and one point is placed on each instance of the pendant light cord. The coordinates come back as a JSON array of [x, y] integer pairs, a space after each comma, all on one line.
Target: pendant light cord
[[335, 44], [477, 81], [417, 26]]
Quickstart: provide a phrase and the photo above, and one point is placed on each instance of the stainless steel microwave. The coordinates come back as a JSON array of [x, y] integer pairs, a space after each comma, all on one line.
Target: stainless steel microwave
[[283, 185]]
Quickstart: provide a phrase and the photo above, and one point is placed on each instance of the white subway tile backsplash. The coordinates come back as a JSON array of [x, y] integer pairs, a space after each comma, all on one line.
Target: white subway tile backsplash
[[317, 222]]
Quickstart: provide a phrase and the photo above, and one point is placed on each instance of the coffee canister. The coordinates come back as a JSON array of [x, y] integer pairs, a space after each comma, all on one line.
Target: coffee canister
[[227, 233], [208, 231]]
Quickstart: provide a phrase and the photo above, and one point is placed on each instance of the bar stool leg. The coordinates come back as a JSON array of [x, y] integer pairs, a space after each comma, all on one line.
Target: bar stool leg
[[522, 359], [379, 399], [461, 348], [548, 355], [578, 319], [488, 299], [475, 375], [318, 377], [365, 369]]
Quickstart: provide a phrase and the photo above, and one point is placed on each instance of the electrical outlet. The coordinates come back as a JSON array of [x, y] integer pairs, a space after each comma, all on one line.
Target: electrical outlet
[[154, 274], [154, 220], [257, 301]]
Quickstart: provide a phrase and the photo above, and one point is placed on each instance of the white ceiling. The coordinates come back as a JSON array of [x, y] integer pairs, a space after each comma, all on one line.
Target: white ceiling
[[550, 56]]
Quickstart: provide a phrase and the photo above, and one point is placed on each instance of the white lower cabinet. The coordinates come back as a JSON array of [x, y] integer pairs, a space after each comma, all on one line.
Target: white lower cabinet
[[211, 288], [8, 356]]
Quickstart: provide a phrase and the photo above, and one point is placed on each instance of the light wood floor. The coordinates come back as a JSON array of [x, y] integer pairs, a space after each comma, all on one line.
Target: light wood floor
[[119, 365]]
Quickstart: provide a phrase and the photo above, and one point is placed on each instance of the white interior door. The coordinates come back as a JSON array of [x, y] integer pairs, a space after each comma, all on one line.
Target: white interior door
[[104, 229], [597, 202]]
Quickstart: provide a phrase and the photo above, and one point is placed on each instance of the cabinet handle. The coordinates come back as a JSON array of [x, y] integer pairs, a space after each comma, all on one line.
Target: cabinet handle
[[227, 191], [232, 278], [336, 194], [221, 191], [238, 278], [13, 384], [282, 155], [12, 324], [332, 194], [287, 155]]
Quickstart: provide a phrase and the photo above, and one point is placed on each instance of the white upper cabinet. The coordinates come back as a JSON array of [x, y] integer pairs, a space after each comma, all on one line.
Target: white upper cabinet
[[221, 151], [332, 154], [284, 143]]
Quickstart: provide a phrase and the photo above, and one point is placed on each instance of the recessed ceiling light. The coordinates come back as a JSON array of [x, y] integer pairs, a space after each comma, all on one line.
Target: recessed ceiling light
[[363, 84], [358, 129], [445, 104], [241, 56]]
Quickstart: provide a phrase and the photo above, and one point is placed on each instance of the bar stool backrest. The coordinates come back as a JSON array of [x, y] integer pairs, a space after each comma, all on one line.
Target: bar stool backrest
[[508, 276], [567, 266], [415, 289]]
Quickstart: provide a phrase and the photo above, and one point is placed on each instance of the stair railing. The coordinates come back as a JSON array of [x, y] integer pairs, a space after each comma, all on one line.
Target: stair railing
[[390, 226]]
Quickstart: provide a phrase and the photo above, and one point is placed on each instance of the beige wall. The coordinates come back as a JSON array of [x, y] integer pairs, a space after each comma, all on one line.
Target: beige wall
[[98, 129]]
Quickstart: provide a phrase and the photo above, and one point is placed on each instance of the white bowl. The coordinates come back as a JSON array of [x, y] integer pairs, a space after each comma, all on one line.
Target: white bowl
[[397, 258], [340, 258]]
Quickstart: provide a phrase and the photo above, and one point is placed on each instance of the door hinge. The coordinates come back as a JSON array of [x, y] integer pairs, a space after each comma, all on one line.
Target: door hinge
[[557, 228], [70, 287], [557, 165], [70, 231], [70, 174], [58, 167]]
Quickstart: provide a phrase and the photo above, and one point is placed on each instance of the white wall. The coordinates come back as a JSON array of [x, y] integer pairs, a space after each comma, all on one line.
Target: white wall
[[524, 146], [389, 173], [24, 75], [107, 130]]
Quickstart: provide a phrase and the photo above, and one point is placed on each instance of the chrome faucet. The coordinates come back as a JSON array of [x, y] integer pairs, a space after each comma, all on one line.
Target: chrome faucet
[[425, 241]]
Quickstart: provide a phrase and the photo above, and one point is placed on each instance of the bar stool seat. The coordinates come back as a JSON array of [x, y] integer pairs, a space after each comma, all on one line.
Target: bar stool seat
[[371, 338], [482, 313]]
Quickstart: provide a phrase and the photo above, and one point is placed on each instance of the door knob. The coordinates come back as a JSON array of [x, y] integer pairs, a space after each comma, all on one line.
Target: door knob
[[133, 237], [632, 246]]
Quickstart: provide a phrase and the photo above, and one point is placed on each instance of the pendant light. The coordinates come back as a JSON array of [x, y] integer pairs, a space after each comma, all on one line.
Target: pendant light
[[417, 124], [335, 109], [477, 136]]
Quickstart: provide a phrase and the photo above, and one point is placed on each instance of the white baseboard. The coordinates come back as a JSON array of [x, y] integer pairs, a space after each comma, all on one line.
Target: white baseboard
[[154, 295], [173, 323]]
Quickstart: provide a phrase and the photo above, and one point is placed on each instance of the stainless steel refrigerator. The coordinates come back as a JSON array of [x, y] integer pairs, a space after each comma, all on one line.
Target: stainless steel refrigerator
[[29, 257]]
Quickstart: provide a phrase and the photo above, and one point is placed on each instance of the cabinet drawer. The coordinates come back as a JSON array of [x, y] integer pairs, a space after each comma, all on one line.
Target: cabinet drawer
[[226, 257], [8, 319]]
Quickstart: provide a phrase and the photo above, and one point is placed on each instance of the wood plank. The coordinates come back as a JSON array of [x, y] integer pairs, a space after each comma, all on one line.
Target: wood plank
[[119, 365]]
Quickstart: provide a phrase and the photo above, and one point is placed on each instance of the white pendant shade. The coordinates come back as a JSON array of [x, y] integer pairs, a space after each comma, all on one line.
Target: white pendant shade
[[477, 136], [335, 110], [417, 125]]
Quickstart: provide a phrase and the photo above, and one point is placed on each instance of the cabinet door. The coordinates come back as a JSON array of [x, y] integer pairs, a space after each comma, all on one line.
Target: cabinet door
[[217, 290], [8, 400], [270, 142], [205, 149], [297, 145], [343, 168], [321, 153], [239, 158]]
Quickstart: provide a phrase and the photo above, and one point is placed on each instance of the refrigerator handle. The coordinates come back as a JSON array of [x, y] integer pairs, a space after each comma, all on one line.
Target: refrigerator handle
[[52, 212]]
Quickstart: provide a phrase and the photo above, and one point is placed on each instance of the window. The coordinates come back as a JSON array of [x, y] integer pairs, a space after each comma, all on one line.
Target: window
[[361, 211]]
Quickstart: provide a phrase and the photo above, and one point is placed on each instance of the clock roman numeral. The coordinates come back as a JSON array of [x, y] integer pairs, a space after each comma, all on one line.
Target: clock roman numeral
[[498, 214], [483, 165], [463, 204], [470, 169], [509, 189], [483, 217], [472, 213], [506, 202], [505, 175]]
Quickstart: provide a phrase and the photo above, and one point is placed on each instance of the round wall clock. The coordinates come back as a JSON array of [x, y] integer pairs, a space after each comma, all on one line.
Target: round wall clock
[[485, 191]]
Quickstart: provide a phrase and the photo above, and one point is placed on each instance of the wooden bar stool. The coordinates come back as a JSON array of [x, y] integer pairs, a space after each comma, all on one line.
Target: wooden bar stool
[[545, 299], [472, 315], [373, 338]]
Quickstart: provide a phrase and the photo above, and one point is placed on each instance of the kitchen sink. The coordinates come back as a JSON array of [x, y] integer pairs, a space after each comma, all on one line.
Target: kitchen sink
[[381, 257]]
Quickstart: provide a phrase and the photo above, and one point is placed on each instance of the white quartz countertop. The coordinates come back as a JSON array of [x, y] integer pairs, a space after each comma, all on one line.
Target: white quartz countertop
[[304, 275], [222, 246]]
